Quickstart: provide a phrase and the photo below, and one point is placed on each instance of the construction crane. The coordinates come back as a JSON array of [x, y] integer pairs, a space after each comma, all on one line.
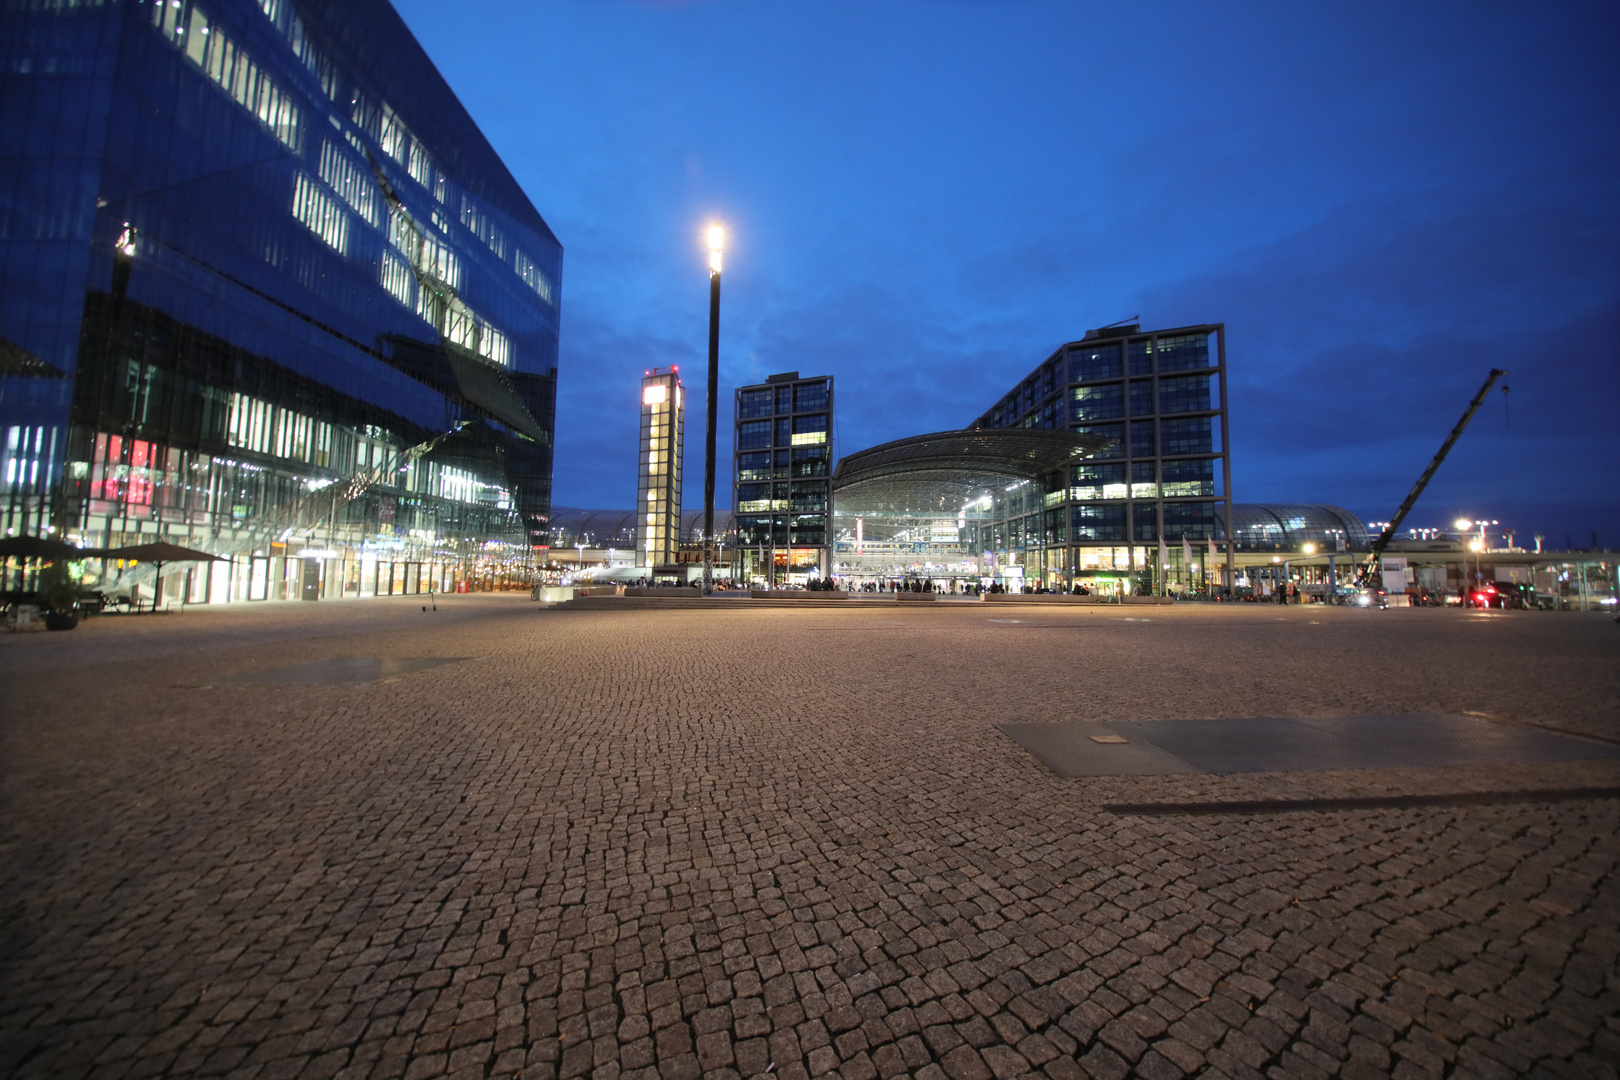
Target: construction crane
[[1394, 525]]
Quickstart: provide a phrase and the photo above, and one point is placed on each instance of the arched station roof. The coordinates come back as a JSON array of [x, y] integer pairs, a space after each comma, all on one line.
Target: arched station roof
[[942, 470], [1289, 526]]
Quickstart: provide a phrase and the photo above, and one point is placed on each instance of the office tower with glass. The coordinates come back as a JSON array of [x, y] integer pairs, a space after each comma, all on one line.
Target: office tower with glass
[[1162, 489], [267, 291], [782, 468], [658, 490]]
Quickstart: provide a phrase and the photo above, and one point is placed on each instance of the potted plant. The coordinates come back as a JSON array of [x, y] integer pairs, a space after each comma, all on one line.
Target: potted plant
[[59, 588]]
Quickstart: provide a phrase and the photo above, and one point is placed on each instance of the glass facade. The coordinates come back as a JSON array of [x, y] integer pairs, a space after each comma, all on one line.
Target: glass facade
[[783, 467], [1161, 397], [658, 493], [267, 291]]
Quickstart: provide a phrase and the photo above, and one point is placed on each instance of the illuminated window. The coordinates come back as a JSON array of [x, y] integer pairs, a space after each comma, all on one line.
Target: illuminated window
[[233, 70], [397, 278], [354, 184], [321, 213]]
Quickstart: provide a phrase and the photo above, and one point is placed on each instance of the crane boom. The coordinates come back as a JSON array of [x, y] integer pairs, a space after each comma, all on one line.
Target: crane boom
[[1390, 529]]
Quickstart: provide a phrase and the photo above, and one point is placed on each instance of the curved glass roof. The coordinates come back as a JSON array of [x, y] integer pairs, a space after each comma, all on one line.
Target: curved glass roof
[[944, 470], [1289, 526]]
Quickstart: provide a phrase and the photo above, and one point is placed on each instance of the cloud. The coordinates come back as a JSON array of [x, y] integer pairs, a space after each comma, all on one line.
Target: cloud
[[1355, 346], [598, 407]]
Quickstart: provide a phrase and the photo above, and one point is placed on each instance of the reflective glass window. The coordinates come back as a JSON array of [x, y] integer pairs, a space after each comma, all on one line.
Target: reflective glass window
[[1184, 393], [1098, 482], [1183, 352], [753, 403], [810, 462], [753, 435], [1192, 520], [810, 529], [807, 397], [810, 430], [1093, 522], [1104, 402], [753, 498], [809, 495], [1192, 476], [1188, 435], [1142, 398], [1139, 356], [1142, 438], [784, 399], [1106, 431], [754, 466], [752, 529]]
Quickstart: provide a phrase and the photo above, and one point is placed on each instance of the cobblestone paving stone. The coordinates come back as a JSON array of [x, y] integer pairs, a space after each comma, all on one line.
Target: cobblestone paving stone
[[686, 843]]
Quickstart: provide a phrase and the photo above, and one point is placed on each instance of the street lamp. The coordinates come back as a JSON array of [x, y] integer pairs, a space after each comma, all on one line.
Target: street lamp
[[717, 243]]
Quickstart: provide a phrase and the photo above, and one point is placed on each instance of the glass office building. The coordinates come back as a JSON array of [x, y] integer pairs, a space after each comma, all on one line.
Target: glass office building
[[782, 467], [267, 291], [658, 490], [1160, 397]]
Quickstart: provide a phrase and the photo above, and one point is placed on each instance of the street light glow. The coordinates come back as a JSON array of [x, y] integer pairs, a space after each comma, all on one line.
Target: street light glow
[[1463, 523], [717, 243]]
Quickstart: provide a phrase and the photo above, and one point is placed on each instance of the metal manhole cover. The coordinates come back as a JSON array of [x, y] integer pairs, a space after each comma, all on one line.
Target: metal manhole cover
[[1294, 744]]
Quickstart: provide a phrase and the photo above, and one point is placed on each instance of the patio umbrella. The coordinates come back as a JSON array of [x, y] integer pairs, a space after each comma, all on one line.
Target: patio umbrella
[[157, 554], [35, 547], [40, 547]]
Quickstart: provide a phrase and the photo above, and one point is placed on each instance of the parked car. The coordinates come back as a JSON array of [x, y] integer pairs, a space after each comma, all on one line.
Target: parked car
[[1503, 594]]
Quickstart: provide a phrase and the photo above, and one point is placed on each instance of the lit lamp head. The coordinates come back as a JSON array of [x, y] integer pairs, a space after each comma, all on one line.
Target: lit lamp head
[[1310, 549], [717, 244], [1462, 523]]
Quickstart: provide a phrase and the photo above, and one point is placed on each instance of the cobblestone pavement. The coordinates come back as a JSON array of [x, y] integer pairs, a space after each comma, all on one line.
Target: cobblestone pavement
[[683, 843]]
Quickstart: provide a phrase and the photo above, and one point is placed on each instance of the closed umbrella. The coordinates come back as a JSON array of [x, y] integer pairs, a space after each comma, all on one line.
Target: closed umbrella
[[158, 553]]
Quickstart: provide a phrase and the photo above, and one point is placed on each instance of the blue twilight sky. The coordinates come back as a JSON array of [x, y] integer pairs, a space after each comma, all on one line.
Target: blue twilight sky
[[1382, 201]]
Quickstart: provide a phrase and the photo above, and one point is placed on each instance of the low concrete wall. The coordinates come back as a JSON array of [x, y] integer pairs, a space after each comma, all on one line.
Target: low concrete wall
[[797, 594], [915, 597], [678, 593]]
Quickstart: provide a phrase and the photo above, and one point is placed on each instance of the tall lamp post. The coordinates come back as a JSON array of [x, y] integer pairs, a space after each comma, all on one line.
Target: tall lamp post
[[717, 239]]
